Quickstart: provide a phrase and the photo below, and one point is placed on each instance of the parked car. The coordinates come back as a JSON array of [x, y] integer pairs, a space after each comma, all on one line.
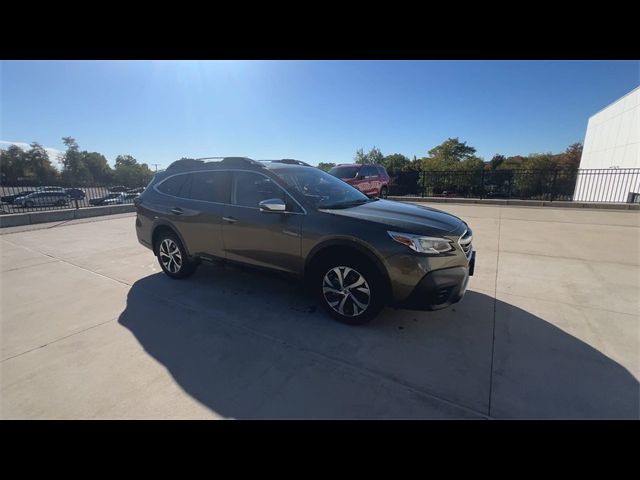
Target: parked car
[[357, 253], [372, 180], [121, 199], [75, 193], [118, 189], [50, 189], [100, 200], [11, 198], [42, 199]]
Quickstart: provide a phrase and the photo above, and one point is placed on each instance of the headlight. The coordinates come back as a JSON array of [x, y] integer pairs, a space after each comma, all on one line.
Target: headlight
[[433, 245]]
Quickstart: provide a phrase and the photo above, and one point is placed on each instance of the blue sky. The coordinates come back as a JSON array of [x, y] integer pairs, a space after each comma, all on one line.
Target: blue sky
[[315, 111]]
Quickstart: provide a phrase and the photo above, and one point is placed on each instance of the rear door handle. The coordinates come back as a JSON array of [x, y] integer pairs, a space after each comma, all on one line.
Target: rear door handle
[[229, 219], [177, 211]]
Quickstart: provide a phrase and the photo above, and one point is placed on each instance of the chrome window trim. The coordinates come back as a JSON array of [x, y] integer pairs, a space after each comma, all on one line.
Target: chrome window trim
[[155, 187]]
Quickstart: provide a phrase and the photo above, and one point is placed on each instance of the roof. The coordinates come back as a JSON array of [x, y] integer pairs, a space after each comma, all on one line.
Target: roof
[[219, 162]]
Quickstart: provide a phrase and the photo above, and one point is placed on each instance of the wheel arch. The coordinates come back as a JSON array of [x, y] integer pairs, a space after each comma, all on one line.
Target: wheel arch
[[163, 226], [341, 245]]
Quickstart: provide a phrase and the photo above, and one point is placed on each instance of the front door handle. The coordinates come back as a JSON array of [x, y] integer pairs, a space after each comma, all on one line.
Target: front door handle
[[177, 211], [229, 219]]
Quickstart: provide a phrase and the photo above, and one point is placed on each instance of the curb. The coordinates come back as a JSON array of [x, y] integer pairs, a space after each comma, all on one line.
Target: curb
[[522, 203], [18, 219]]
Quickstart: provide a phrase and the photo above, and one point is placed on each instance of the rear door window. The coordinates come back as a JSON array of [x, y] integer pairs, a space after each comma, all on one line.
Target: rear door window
[[368, 171], [210, 186]]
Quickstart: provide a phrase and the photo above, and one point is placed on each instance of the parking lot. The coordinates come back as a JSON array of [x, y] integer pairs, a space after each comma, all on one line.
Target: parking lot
[[550, 328]]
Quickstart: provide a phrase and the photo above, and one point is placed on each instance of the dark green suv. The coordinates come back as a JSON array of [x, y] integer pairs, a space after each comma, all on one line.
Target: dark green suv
[[357, 254]]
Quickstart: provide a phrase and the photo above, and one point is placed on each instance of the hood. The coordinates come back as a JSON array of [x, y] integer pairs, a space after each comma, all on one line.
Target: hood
[[404, 217]]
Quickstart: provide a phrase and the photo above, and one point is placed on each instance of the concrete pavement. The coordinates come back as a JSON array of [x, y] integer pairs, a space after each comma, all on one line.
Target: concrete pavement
[[550, 328]]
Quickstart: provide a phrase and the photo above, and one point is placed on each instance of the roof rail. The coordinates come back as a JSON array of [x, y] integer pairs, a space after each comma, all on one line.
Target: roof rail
[[195, 163], [289, 161]]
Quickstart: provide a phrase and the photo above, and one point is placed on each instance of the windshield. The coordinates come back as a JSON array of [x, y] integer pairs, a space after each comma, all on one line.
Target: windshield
[[344, 172], [321, 189]]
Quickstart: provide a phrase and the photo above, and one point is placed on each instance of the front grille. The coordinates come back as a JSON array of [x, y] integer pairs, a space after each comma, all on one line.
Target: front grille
[[465, 242]]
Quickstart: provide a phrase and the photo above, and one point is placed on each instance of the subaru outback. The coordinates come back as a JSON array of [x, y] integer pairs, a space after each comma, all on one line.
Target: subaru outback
[[356, 253]]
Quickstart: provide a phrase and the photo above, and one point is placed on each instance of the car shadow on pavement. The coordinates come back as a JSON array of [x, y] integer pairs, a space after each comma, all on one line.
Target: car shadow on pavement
[[250, 344]]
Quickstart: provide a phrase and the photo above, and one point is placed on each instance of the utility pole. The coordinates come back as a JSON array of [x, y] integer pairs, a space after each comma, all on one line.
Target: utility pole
[[155, 165]]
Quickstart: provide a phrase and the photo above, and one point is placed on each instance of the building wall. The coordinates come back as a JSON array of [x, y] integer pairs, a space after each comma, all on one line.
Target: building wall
[[612, 142]]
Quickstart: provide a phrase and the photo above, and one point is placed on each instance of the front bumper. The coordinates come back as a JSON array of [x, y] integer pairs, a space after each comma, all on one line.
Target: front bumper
[[440, 288]]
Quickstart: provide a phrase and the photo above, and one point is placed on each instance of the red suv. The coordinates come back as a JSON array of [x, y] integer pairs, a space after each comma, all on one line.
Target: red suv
[[372, 180]]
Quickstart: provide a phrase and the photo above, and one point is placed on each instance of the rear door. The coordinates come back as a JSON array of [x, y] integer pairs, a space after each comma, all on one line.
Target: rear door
[[368, 175], [201, 216], [267, 239]]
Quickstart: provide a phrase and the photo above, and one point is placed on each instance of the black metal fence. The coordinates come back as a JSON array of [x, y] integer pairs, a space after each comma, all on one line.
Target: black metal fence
[[31, 197], [597, 185]]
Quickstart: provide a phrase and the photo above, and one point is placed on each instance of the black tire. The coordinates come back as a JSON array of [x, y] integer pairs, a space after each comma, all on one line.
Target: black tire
[[28, 204], [61, 203], [185, 266], [384, 191], [362, 267]]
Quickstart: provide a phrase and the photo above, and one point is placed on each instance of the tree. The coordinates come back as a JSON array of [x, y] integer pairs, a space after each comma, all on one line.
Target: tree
[[125, 160], [395, 163], [570, 159], [373, 156], [452, 150], [74, 169], [38, 164], [13, 164], [130, 173], [496, 161], [326, 166], [98, 166]]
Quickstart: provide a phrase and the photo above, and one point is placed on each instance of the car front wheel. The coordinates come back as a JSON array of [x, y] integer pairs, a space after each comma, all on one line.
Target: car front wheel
[[384, 192], [172, 256], [350, 290]]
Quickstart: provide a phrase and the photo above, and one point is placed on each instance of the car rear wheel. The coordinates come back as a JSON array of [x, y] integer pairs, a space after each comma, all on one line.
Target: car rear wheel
[[172, 256], [350, 290], [384, 192]]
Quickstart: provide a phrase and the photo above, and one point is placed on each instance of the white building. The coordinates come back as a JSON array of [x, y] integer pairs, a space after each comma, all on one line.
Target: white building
[[611, 153]]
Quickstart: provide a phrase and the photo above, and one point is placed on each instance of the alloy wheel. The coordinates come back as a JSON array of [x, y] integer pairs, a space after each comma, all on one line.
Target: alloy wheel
[[346, 291], [170, 255]]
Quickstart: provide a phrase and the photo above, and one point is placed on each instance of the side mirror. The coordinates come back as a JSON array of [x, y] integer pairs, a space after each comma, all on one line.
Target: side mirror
[[272, 205]]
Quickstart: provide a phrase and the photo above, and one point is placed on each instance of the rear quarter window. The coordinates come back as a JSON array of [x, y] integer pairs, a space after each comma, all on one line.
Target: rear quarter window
[[175, 186]]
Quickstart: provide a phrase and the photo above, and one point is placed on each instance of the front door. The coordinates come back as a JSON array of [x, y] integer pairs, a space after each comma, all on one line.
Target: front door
[[267, 239]]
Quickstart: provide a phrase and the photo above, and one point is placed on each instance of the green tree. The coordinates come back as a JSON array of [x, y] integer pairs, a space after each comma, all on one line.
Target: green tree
[[130, 173], [373, 156], [39, 165], [452, 150], [496, 161], [395, 163], [326, 166], [125, 160], [74, 169], [13, 164], [98, 166]]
